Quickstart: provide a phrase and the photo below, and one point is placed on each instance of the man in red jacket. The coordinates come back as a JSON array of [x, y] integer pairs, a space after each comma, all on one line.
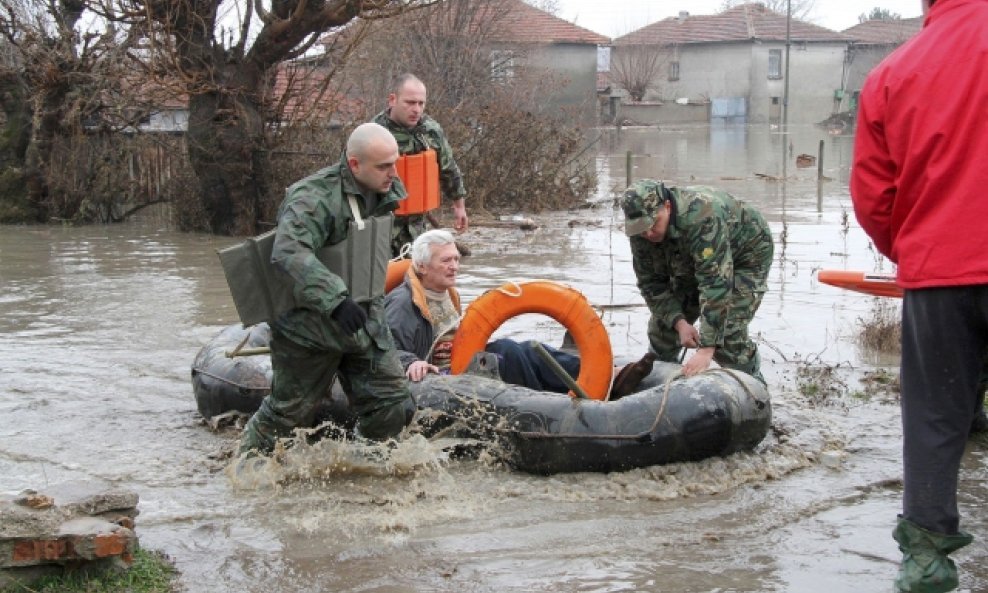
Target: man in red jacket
[[918, 184]]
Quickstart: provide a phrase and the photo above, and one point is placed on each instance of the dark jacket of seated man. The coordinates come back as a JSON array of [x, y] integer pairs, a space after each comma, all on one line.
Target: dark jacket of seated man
[[424, 312]]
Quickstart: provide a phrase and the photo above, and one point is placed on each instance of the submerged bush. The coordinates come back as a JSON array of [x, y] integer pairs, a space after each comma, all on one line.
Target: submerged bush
[[882, 330]]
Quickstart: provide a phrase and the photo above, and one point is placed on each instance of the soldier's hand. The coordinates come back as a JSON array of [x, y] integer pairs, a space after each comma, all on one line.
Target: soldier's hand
[[699, 362], [419, 369], [689, 337], [349, 316], [460, 220]]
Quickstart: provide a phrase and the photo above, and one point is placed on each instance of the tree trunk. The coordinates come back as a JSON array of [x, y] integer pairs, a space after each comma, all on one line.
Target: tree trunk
[[45, 126], [226, 141], [17, 127]]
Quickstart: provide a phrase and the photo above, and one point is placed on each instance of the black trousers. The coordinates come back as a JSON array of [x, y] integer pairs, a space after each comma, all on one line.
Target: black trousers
[[944, 341]]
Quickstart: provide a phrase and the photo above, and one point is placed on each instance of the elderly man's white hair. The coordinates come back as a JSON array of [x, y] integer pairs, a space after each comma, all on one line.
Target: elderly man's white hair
[[422, 246], [364, 135]]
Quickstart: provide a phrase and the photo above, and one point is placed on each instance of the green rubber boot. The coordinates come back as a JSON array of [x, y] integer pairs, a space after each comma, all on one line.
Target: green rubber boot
[[925, 567]]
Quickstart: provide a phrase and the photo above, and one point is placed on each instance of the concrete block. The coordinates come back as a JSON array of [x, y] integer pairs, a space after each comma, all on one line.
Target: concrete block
[[70, 525]]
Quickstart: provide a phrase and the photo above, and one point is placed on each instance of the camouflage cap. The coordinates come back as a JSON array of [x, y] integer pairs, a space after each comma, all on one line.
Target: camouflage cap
[[641, 203]]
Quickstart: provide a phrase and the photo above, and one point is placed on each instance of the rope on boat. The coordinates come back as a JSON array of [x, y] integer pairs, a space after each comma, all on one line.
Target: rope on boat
[[644, 435], [225, 380]]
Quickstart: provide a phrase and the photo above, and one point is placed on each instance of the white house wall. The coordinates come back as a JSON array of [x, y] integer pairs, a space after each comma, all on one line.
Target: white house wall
[[729, 71], [574, 66], [169, 120], [815, 72]]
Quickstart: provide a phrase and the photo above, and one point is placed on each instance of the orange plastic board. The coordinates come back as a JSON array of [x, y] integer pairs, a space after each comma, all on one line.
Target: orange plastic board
[[420, 174], [882, 285]]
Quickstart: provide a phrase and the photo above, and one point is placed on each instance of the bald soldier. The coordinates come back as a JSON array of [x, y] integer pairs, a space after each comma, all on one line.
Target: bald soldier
[[332, 331]]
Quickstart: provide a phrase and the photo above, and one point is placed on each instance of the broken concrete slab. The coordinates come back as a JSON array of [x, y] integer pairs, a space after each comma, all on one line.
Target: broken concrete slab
[[69, 525]]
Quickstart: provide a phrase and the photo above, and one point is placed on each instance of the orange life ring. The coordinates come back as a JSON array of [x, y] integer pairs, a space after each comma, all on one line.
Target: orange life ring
[[564, 304], [396, 273]]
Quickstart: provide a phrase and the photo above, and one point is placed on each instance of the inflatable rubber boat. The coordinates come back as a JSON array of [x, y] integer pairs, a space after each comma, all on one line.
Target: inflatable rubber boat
[[669, 419]]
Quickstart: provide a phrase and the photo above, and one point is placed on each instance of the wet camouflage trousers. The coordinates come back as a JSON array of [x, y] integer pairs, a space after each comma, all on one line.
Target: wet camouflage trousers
[[738, 351], [405, 230], [372, 378]]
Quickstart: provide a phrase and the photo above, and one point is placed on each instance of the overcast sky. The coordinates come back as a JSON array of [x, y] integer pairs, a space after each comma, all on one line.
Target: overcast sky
[[614, 18]]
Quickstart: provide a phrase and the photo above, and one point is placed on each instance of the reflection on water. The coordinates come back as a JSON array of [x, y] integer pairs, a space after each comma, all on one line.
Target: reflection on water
[[100, 325]]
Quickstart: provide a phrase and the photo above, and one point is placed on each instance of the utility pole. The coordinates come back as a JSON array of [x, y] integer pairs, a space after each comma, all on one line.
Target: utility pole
[[785, 91]]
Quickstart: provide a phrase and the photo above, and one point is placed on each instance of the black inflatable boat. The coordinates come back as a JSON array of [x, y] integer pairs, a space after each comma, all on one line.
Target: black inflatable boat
[[669, 419]]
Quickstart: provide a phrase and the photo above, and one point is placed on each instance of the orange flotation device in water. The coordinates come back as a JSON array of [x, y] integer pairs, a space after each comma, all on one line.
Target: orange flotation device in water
[[419, 173], [564, 304]]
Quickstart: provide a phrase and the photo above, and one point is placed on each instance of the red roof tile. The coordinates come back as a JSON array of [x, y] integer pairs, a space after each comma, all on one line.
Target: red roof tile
[[742, 23], [303, 92], [514, 20], [523, 23], [881, 32]]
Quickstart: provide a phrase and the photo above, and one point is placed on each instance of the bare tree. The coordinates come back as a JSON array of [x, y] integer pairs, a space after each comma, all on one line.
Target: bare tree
[[801, 9], [55, 74], [637, 68], [227, 73], [879, 14], [550, 6]]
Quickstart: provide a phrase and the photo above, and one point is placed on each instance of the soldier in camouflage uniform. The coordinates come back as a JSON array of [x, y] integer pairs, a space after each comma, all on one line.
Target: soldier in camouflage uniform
[[331, 334], [698, 253], [415, 132]]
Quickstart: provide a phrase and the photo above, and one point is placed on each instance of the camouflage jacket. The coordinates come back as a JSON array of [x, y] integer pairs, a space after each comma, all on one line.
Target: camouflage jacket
[[314, 214], [428, 134], [711, 234]]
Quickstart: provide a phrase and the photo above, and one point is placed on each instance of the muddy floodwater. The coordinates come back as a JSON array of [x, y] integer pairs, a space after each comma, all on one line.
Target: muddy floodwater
[[99, 327]]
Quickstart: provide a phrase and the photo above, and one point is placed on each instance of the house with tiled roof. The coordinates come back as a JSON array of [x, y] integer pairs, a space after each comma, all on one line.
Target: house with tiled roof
[[731, 66], [560, 54], [513, 39], [565, 50], [300, 91], [871, 41]]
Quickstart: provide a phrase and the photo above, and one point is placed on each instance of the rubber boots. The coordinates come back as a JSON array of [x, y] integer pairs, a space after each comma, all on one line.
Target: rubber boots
[[631, 375], [925, 567]]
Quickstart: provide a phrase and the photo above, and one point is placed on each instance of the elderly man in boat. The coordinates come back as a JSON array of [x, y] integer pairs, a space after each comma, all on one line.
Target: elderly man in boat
[[424, 313]]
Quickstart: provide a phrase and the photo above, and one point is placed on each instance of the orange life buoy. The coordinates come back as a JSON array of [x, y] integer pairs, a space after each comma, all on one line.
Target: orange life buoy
[[419, 173], [396, 273], [564, 304]]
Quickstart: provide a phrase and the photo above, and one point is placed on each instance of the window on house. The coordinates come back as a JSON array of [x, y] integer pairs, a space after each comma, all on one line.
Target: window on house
[[502, 65], [603, 58], [674, 70], [775, 63]]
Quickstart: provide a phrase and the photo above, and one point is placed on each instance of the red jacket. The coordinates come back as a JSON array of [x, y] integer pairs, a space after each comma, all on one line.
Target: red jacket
[[919, 180]]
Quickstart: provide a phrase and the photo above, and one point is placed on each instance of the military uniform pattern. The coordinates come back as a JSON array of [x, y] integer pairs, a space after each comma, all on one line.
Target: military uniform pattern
[[308, 348], [712, 265], [426, 134]]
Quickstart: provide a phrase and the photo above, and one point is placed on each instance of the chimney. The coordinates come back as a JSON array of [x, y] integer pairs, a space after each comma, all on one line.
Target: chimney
[[683, 14]]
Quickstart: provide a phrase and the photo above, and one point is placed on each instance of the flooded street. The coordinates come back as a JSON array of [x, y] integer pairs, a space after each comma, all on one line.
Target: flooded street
[[100, 326]]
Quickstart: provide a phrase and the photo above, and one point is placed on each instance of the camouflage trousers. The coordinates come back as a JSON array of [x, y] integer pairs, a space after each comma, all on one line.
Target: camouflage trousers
[[405, 230], [738, 351], [372, 378]]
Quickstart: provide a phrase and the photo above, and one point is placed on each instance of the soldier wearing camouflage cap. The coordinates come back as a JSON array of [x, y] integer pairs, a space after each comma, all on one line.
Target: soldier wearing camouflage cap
[[698, 253], [327, 333]]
